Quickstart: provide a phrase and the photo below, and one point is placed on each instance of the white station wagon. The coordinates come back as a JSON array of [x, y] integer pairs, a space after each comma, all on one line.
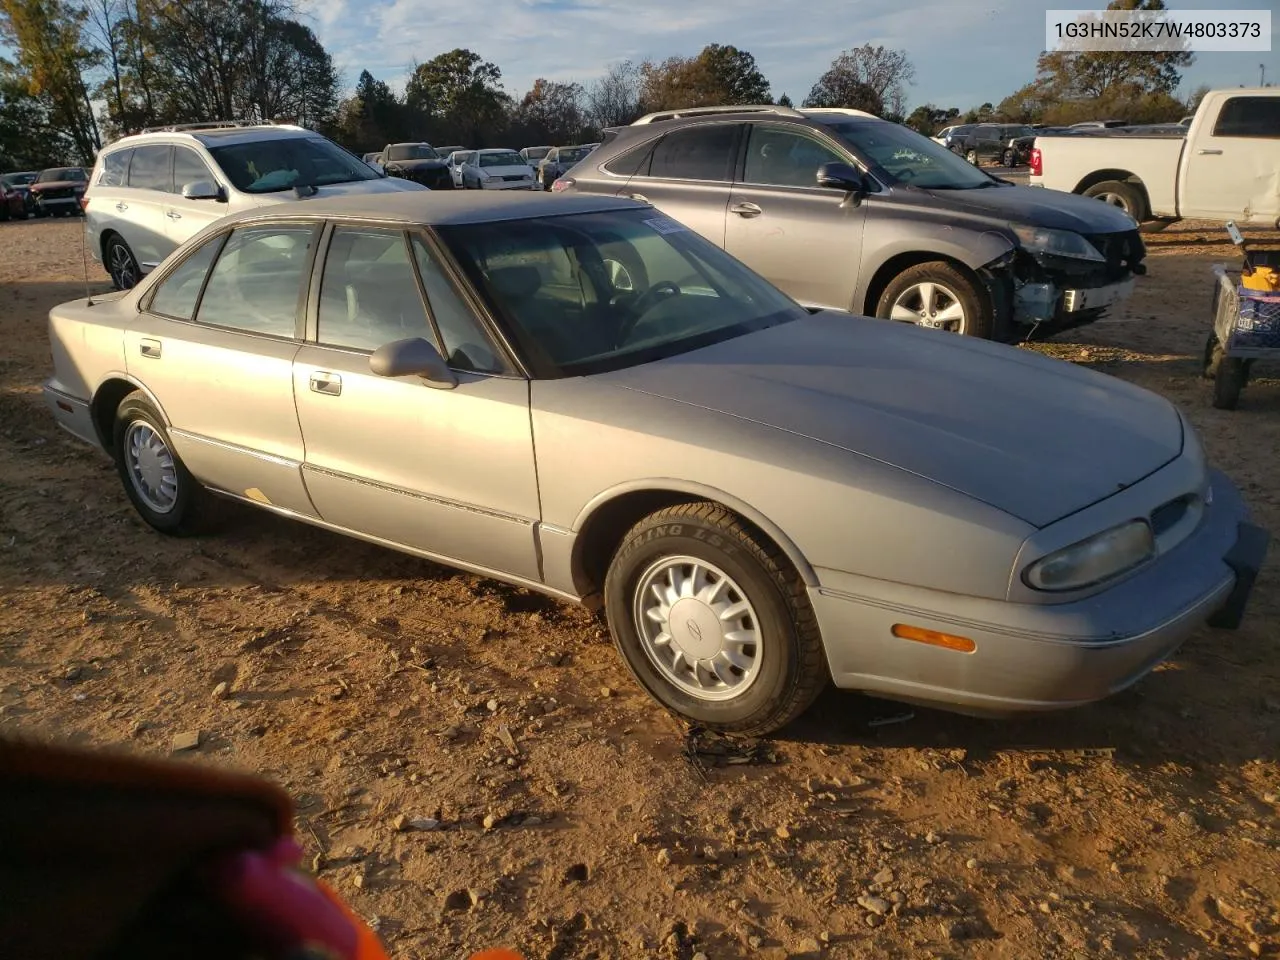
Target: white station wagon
[[150, 193]]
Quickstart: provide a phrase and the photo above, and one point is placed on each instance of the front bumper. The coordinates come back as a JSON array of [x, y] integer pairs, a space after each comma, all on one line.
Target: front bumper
[[57, 203], [1031, 657]]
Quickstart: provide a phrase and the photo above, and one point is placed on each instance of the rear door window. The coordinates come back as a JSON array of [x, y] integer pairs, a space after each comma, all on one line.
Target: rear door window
[[256, 283], [151, 168], [702, 152]]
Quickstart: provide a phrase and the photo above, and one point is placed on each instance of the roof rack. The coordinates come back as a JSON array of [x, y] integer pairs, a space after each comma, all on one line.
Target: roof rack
[[698, 111], [206, 125], [844, 111]]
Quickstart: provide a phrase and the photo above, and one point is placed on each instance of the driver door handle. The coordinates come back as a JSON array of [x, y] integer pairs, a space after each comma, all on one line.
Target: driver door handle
[[747, 210], [1207, 152], [122, 206], [174, 215], [330, 384]]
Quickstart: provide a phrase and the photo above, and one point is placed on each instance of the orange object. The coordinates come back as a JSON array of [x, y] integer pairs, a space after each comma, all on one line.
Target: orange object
[[948, 641], [1264, 279]]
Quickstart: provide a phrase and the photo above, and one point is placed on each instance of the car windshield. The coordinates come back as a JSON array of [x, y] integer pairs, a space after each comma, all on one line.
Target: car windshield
[[904, 156], [536, 153], [507, 158], [269, 166], [412, 151], [60, 173], [589, 292], [18, 179]]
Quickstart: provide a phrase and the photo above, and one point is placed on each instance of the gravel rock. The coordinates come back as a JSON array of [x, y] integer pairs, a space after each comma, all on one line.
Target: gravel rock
[[222, 691], [754, 942], [784, 833], [809, 945], [492, 706], [400, 824], [491, 820], [424, 823], [883, 877], [877, 905], [954, 929], [664, 857], [187, 740], [606, 692], [933, 837]]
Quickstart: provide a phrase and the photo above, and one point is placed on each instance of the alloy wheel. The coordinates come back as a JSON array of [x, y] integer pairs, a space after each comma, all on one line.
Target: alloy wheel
[[698, 628], [930, 304]]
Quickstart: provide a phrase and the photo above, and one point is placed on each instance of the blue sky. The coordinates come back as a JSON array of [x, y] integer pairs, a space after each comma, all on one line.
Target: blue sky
[[965, 51]]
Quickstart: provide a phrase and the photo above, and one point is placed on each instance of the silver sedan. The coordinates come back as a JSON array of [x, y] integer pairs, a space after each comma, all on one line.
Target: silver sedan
[[579, 395]]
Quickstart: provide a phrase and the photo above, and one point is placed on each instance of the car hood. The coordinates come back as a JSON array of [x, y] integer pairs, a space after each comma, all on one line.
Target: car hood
[[354, 188], [56, 185], [1034, 206], [1035, 437]]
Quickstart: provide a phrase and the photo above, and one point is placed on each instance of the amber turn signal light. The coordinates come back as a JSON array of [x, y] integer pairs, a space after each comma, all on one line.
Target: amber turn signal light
[[932, 637]]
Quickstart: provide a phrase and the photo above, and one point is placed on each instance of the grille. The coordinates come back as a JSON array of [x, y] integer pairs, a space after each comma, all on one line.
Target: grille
[[58, 193], [513, 177], [1122, 250]]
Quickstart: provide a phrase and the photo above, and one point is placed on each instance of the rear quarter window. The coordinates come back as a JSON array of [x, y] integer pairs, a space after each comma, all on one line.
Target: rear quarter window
[[633, 162], [115, 168]]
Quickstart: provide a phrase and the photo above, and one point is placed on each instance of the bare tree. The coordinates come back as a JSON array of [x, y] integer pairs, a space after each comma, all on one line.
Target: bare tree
[[614, 99], [864, 70]]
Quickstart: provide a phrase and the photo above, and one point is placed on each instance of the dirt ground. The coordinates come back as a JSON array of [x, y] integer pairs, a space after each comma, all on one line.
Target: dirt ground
[[576, 819]]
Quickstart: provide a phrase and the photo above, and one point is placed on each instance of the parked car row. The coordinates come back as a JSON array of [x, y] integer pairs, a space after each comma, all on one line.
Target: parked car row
[[56, 191]]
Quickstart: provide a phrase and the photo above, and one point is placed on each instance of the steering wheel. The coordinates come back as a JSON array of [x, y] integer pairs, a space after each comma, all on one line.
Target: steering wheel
[[660, 291]]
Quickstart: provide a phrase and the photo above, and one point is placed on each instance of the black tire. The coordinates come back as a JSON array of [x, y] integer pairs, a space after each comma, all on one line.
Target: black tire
[[120, 263], [1007, 159], [1120, 194], [1228, 382], [792, 668], [956, 149], [1212, 357], [191, 510], [979, 312]]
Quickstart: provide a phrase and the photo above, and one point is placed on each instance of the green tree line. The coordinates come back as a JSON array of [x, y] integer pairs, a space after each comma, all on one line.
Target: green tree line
[[88, 71]]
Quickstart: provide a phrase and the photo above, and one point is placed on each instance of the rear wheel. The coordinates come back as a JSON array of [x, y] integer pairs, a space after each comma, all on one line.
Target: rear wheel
[[972, 156], [938, 295], [713, 622], [156, 481], [1117, 193], [121, 264], [1007, 158]]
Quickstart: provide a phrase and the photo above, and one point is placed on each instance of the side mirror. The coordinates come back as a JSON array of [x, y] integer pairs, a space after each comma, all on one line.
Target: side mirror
[[841, 176], [204, 190], [414, 357]]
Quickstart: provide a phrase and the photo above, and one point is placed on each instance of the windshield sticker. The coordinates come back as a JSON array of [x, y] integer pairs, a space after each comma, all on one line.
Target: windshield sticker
[[665, 225]]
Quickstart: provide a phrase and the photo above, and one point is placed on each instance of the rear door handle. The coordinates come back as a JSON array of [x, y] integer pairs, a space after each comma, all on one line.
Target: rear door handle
[[122, 206], [1208, 152], [149, 348], [330, 384], [173, 215], [747, 210]]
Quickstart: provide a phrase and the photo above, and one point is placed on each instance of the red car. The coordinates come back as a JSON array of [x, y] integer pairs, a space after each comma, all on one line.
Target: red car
[[58, 190], [15, 203]]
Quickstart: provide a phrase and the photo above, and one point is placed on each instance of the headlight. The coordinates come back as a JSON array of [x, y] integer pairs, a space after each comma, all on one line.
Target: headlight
[[1057, 243], [1092, 561]]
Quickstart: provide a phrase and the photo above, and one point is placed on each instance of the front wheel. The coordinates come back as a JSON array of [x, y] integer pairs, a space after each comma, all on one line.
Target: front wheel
[[162, 490], [940, 296], [713, 622], [972, 156]]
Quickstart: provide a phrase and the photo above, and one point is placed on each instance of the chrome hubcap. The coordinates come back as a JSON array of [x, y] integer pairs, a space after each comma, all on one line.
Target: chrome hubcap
[[698, 628], [123, 270], [152, 468], [930, 304]]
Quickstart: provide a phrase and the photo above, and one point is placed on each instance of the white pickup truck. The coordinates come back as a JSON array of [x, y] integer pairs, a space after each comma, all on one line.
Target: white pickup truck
[[1225, 167]]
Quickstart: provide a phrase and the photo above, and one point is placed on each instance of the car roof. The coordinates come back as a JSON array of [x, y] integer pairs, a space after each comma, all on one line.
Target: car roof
[[499, 150], [443, 207], [222, 136]]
